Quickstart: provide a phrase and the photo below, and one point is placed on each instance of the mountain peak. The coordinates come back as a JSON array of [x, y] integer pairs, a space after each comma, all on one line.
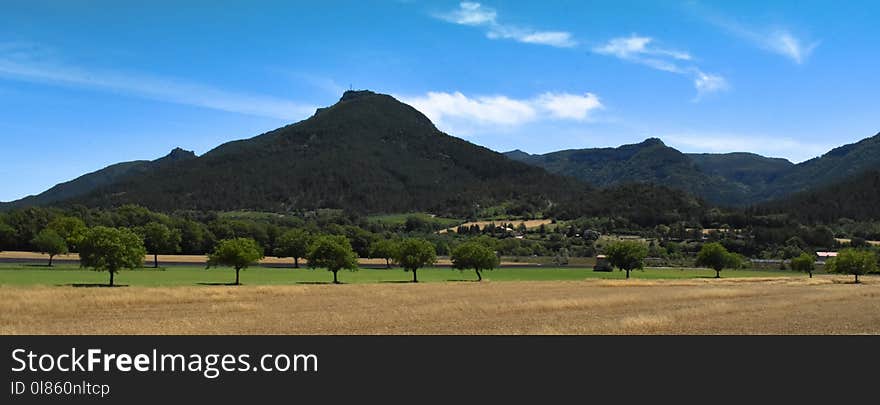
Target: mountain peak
[[177, 155], [653, 142], [356, 94], [180, 153]]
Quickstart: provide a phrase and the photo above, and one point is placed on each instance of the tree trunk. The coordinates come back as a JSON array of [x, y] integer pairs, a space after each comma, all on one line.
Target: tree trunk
[[415, 278], [335, 280], [627, 274], [811, 274], [155, 260], [111, 278], [479, 276], [387, 263], [717, 273], [236, 275], [296, 262], [857, 278], [50, 260]]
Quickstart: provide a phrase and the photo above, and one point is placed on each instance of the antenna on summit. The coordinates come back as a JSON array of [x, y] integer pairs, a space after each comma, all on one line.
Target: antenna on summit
[[349, 87]]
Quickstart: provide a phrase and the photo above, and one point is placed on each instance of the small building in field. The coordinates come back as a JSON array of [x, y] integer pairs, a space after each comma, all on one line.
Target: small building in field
[[824, 256], [602, 264]]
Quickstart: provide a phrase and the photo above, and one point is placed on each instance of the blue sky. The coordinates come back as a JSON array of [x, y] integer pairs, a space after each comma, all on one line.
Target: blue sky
[[84, 84]]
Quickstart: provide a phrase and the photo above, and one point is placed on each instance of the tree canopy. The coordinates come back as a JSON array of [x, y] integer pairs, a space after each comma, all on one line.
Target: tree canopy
[[111, 249], [51, 243], [415, 253], [476, 256], [385, 249], [627, 255], [804, 263], [293, 243], [159, 238], [332, 252], [856, 262], [72, 229], [715, 256], [238, 253]]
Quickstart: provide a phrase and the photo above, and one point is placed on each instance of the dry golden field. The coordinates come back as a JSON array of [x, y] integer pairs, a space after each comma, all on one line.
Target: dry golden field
[[822, 305]]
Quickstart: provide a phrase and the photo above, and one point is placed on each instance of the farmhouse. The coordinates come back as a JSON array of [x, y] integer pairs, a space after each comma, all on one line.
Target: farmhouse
[[824, 256]]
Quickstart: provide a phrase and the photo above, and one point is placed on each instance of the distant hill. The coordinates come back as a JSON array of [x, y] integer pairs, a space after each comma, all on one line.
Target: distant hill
[[92, 181], [650, 162], [840, 164], [735, 179], [857, 198]]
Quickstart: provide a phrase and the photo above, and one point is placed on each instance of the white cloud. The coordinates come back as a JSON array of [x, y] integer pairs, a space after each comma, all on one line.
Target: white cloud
[[477, 15], [470, 13], [458, 113], [19, 65], [786, 44], [777, 40], [569, 106], [709, 83], [634, 47], [642, 50]]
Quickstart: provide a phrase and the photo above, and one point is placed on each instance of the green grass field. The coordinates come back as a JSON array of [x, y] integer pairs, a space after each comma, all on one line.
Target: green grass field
[[29, 274]]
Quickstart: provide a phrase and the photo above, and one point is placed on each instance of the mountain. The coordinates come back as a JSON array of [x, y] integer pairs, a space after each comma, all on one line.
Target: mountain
[[734, 179], [367, 153], [650, 162], [92, 181], [745, 168], [840, 164], [857, 198]]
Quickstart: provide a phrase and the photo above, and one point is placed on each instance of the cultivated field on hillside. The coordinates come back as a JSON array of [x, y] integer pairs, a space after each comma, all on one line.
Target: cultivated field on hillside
[[822, 305], [530, 223]]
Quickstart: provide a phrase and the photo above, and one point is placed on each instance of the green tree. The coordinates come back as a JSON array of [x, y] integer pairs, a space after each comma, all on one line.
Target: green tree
[[159, 238], [413, 254], [473, 255], [72, 229], [804, 263], [627, 255], [51, 243], [111, 250], [293, 243], [238, 253], [332, 252], [7, 235], [715, 256], [853, 261], [385, 249]]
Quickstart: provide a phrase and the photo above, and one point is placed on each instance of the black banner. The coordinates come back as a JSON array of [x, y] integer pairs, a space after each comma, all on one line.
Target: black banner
[[330, 369]]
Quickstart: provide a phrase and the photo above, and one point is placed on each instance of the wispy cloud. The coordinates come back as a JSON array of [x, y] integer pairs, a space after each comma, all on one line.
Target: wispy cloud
[[716, 142], [775, 39], [645, 51], [31, 65], [477, 15], [458, 113], [637, 47]]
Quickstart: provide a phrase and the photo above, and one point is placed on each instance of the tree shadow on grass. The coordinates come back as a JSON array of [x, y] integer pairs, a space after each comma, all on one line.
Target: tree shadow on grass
[[91, 285], [219, 284], [464, 281]]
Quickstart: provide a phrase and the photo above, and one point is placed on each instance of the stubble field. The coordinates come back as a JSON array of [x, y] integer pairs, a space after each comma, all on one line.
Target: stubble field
[[756, 305]]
